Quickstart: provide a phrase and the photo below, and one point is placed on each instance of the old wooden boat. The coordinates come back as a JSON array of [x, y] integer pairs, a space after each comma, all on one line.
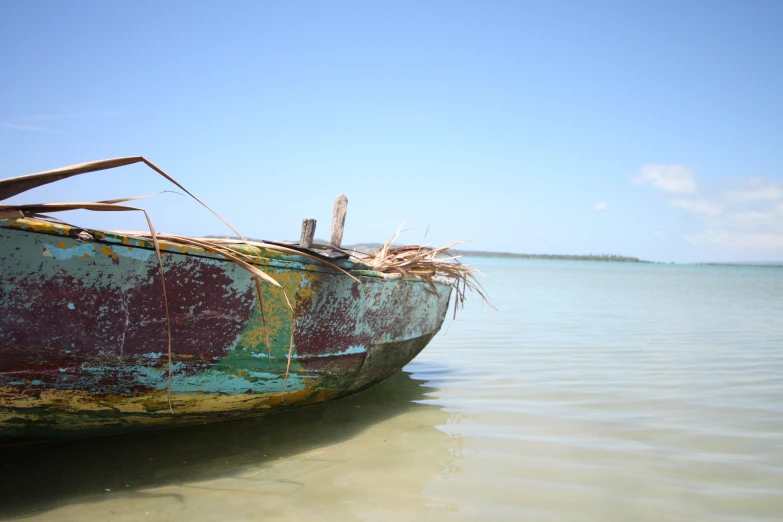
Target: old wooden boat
[[85, 346]]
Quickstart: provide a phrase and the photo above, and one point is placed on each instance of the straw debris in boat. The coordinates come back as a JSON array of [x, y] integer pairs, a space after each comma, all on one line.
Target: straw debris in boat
[[428, 264]]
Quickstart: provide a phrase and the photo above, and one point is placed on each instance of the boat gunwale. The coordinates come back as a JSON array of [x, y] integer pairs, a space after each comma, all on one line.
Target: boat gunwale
[[265, 257]]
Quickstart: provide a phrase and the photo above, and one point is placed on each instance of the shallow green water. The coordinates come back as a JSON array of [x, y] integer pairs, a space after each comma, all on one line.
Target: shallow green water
[[598, 391]]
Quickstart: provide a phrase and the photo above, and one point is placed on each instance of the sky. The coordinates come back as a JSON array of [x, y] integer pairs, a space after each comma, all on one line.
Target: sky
[[646, 129]]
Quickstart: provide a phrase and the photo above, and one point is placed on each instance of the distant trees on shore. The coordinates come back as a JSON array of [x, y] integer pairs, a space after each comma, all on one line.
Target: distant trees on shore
[[582, 257], [372, 247]]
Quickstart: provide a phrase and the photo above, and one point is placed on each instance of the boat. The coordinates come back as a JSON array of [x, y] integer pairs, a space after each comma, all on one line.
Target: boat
[[94, 340]]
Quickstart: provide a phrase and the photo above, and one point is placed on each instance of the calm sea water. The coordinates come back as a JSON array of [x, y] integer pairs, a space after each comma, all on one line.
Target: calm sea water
[[598, 392]]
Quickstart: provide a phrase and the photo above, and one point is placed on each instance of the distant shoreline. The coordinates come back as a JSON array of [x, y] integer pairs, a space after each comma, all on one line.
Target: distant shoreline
[[585, 257], [364, 247], [758, 264], [370, 247], [612, 258], [367, 247]]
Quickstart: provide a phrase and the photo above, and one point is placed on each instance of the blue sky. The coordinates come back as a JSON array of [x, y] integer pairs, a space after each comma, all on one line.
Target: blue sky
[[650, 129]]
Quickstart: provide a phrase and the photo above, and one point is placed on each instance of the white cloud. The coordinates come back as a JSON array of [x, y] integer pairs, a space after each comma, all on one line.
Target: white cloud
[[756, 189], [673, 179], [601, 205], [696, 206], [746, 219], [659, 233]]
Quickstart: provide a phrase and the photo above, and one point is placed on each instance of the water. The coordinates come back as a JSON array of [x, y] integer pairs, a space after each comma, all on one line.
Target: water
[[598, 391]]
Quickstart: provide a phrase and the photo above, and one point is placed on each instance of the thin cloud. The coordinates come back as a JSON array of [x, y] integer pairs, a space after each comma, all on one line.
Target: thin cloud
[[22, 124], [601, 206], [27, 128], [672, 179], [756, 189], [696, 206], [751, 217], [71, 116], [737, 240]]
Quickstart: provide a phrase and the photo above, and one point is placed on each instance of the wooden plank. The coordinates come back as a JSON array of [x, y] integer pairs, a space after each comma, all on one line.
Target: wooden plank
[[338, 220], [308, 232]]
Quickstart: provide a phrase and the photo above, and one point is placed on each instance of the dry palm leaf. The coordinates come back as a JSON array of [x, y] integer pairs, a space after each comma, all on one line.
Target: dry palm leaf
[[13, 186], [427, 264]]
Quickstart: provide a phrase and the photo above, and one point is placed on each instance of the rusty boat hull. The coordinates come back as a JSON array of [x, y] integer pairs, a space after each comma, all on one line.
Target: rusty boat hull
[[84, 342]]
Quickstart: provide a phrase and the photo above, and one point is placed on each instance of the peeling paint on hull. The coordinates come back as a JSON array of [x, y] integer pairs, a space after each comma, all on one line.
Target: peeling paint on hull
[[83, 342]]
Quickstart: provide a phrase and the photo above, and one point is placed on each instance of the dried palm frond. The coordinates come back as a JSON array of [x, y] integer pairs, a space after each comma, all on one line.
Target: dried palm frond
[[429, 264], [421, 262], [13, 186]]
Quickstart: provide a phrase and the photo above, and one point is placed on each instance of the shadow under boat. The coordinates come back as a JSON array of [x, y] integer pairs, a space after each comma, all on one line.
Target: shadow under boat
[[39, 477]]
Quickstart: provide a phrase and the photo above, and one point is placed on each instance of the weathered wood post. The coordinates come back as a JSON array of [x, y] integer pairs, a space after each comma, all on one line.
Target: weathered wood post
[[338, 220], [308, 232]]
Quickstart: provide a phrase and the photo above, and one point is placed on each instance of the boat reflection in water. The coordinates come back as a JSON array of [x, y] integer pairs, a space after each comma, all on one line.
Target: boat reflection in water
[[278, 462]]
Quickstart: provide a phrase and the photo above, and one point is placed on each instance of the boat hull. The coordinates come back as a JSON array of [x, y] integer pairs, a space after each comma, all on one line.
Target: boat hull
[[84, 342]]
